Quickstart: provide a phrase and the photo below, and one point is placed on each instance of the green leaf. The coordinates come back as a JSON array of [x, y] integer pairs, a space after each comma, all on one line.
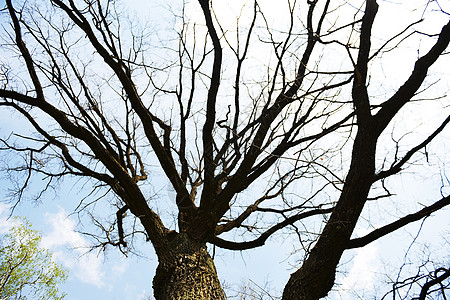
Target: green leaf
[[26, 270]]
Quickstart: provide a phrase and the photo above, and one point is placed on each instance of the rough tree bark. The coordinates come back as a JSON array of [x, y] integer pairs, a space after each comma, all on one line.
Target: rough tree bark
[[186, 272]]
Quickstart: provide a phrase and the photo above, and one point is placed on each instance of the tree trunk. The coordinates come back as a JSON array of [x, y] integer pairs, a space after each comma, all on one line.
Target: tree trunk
[[316, 276], [186, 271]]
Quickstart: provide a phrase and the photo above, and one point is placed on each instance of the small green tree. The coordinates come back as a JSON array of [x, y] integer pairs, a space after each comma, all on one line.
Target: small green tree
[[26, 270]]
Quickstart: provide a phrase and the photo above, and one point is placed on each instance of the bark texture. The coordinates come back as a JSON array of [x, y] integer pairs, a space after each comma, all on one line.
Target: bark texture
[[186, 272]]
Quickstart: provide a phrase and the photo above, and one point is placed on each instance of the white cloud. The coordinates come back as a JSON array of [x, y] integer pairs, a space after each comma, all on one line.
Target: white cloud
[[137, 293], [120, 268], [5, 222], [63, 232], [87, 266], [361, 277], [364, 265]]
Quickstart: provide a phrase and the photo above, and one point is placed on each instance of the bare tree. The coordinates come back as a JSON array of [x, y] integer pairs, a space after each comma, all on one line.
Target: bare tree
[[429, 279], [265, 126], [431, 283]]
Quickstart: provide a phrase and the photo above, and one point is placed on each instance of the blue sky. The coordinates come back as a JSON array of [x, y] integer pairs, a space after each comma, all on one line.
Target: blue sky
[[110, 275]]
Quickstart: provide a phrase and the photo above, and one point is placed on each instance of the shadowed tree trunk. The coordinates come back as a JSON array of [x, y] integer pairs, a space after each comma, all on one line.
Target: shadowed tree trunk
[[316, 276]]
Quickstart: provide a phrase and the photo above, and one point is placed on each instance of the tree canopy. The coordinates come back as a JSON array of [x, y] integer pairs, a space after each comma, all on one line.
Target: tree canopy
[[280, 121], [28, 271]]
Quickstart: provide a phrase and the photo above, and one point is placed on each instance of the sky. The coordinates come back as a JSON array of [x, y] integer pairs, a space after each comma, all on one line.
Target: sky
[[110, 275]]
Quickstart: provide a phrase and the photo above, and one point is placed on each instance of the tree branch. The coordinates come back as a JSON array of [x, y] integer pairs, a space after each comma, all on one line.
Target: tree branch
[[184, 202], [415, 80], [436, 280], [209, 188], [397, 167], [260, 241], [385, 230], [359, 91], [120, 214]]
